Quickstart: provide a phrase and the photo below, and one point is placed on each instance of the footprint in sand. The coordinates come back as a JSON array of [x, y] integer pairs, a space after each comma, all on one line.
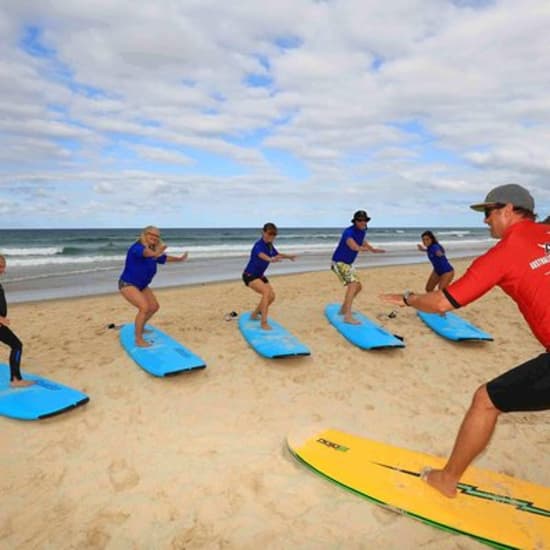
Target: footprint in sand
[[122, 476]]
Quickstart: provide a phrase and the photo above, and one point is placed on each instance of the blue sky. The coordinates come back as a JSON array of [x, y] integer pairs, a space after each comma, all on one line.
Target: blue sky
[[125, 113]]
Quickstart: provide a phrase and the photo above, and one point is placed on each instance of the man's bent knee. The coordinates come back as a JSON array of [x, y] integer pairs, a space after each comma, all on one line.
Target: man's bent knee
[[481, 400]]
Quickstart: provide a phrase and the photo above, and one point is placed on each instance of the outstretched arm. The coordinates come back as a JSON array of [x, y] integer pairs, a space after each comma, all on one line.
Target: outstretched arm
[[365, 247], [181, 258], [154, 252], [431, 302]]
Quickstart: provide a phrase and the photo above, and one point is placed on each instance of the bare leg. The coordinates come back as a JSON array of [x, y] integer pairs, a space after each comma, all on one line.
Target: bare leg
[[432, 281], [473, 436], [153, 305], [268, 297], [445, 280], [138, 299], [352, 290]]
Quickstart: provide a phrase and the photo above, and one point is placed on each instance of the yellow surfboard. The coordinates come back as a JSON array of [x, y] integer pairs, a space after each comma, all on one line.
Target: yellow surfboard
[[499, 510]]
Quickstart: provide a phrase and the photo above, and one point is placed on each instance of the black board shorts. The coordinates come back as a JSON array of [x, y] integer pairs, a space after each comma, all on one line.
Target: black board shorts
[[248, 278], [523, 388]]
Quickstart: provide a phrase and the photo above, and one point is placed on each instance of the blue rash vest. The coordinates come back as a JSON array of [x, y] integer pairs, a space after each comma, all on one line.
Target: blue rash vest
[[139, 270], [256, 266], [343, 252], [440, 263]]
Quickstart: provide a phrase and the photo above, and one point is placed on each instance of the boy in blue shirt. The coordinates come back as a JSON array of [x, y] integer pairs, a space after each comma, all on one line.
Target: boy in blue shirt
[[263, 253], [351, 243]]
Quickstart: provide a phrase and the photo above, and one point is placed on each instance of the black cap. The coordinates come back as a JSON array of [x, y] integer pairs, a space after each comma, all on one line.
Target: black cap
[[360, 216]]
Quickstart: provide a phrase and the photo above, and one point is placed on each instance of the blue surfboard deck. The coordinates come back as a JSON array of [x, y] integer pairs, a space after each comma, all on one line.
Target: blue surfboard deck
[[43, 399], [164, 357], [274, 343], [453, 327], [367, 335]]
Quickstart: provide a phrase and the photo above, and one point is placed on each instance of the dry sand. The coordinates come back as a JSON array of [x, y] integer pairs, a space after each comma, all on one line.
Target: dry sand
[[198, 460]]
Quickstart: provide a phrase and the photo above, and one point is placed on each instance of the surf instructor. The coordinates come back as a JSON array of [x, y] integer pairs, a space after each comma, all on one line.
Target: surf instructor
[[142, 259], [520, 265]]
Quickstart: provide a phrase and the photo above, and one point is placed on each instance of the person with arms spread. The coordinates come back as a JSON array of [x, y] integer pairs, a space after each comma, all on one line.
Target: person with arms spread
[[351, 243], [443, 272], [140, 268], [263, 253], [9, 338], [520, 265]]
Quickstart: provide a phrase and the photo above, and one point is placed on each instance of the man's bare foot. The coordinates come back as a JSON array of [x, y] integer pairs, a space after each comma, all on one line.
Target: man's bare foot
[[265, 326], [351, 321], [21, 383], [254, 317], [440, 481], [141, 343]]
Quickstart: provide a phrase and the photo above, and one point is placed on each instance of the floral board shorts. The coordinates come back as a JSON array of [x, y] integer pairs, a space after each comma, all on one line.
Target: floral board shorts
[[345, 272]]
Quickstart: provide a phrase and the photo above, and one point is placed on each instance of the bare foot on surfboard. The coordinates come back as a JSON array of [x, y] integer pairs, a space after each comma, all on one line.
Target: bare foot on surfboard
[[440, 481], [142, 343], [351, 321], [21, 383], [265, 326]]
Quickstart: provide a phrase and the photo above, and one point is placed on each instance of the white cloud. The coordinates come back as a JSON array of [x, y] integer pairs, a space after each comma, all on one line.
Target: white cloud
[[401, 104]]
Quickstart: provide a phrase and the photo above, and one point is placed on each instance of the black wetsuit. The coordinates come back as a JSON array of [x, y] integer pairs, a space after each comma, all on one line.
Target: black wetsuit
[[9, 338]]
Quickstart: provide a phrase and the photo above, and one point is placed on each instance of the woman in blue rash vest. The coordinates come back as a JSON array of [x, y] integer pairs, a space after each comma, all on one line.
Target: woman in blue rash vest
[[443, 272], [9, 338], [263, 253], [140, 268]]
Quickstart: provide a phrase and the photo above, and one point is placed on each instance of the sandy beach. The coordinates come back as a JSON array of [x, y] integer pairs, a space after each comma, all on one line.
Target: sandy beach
[[198, 460]]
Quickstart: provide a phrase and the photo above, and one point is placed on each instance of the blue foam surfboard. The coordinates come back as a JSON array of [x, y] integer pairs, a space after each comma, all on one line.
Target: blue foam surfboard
[[274, 343], [43, 399], [164, 357], [453, 327], [367, 335]]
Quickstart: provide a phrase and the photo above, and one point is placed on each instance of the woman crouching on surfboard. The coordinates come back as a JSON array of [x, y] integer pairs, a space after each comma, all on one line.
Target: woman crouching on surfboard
[[8, 337], [443, 272], [140, 268], [263, 253]]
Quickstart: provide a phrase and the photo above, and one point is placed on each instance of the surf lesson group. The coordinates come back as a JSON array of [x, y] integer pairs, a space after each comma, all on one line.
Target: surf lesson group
[[519, 264]]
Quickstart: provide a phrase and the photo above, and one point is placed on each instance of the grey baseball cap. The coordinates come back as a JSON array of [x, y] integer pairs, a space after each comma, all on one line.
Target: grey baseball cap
[[504, 194]]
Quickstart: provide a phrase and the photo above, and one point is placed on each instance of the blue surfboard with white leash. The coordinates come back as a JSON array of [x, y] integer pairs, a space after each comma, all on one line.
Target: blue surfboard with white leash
[[164, 357], [42, 399], [451, 326], [367, 335], [274, 343]]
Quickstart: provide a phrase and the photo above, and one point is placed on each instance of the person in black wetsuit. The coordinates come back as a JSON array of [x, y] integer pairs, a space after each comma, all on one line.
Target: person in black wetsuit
[[9, 338]]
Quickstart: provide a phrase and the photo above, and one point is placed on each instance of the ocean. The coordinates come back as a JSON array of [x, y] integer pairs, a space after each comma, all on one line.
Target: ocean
[[61, 263]]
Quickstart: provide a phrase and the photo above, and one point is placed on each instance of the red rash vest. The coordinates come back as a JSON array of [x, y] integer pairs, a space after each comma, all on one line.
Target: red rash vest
[[520, 265]]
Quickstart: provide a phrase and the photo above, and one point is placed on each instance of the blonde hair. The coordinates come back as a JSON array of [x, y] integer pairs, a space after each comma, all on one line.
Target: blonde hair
[[2, 259], [145, 230]]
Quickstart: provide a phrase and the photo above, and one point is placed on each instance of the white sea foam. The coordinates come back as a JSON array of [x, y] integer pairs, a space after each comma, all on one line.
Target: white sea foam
[[32, 251]]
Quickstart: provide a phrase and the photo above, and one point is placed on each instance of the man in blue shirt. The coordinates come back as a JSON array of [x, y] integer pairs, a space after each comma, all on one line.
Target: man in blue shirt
[[351, 243]]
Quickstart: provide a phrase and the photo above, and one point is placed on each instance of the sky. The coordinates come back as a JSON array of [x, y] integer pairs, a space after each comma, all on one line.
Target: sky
[[208, 113]]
